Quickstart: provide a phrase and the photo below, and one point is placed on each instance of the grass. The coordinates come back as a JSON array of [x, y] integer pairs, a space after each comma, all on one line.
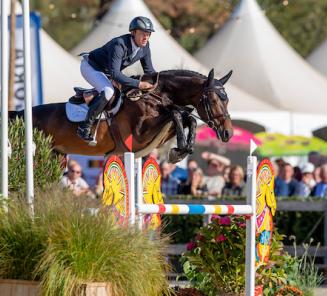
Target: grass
[[66, 246]]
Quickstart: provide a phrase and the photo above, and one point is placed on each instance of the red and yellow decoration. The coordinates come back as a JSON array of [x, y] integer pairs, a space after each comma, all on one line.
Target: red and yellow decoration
[[115, 194], [266, 208], [151, 191]]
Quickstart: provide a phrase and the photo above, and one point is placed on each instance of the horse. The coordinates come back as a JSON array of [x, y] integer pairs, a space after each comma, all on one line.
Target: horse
[[148, 122]]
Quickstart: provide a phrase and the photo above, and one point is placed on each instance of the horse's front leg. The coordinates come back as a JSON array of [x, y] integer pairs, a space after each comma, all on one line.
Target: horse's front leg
[[179, 126], [177, 154], [191, 124]]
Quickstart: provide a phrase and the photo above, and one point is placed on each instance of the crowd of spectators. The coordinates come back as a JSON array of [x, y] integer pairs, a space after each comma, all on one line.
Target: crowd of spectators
[[220, 178]]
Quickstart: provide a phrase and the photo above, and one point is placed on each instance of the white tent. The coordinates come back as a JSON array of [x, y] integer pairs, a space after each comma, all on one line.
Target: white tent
[[264, 64], [60, 71], [318, 58], [166, 52]]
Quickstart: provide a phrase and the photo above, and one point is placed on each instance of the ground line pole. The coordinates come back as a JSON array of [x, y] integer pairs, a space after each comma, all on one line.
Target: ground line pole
[[28, 105], [4, 96]]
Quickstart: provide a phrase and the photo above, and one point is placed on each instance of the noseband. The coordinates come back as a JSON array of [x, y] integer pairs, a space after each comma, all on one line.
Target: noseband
[[208, 109]]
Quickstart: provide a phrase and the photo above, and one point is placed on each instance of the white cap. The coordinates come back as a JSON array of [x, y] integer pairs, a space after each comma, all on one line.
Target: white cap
[[307, 168]]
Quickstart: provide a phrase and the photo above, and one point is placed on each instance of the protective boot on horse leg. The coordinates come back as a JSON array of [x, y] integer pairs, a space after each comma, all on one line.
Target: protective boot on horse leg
[[84, 130]]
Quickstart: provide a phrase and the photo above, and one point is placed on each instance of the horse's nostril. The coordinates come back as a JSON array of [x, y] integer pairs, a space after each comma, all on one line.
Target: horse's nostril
[[226, 134]]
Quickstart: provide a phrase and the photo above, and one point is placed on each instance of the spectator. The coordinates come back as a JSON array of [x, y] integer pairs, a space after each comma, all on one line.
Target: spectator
[[316, 174], [214, 173], [320, 190], [169, 184], [195, 184], [279, 162], [236, 185], [74, 181], [99, 187], [297, 174], [226, 173], [307, 183], [154, 154], [285, 184]]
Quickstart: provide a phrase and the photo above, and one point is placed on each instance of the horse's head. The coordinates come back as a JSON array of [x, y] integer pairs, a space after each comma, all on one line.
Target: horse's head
[[212, 106]]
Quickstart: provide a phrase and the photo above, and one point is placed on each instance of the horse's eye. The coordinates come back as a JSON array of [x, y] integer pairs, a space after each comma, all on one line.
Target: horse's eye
[[222, 94]]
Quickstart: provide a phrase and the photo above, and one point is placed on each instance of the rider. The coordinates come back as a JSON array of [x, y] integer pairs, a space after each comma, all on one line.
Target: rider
[[106, 63]]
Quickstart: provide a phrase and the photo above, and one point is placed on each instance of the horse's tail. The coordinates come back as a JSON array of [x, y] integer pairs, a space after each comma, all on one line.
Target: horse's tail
[[14, 114]]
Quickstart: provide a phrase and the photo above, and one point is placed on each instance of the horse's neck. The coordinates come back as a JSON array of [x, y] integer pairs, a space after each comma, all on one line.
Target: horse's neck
[[185, 91]]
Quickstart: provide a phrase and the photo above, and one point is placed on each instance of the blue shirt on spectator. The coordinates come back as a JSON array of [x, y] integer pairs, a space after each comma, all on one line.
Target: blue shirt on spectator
[[283, 188], [320, 190], [180, 174], [169, 185]]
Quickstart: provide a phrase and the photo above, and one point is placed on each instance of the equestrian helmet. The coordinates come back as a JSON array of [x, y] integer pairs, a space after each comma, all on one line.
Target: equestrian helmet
[[141, 23]]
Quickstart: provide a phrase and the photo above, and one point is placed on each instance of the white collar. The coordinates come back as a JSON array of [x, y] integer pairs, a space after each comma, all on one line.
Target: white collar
[[134, 46]]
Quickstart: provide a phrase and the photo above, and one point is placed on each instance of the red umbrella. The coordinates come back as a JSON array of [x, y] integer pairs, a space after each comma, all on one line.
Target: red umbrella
[[205, 136]]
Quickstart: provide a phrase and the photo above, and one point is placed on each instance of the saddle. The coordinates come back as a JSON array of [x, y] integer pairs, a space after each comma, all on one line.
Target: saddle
[[76, 108]]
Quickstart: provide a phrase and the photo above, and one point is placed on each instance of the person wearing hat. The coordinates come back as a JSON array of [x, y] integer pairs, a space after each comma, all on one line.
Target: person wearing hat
[[103, 65], [307, 182], [214, 173]]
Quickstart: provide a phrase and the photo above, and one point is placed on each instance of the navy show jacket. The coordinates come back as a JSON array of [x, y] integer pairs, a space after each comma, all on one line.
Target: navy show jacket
[[116, 55]]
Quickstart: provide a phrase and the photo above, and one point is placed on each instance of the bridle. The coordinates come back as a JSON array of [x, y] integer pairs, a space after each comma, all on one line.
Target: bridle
[[207, 107], [208, 110]]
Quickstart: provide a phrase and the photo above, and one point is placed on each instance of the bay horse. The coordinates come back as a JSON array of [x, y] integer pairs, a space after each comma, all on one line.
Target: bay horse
[[148, 122]]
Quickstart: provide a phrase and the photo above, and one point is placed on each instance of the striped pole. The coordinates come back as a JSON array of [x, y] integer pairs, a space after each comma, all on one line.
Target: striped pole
[[194, 209]]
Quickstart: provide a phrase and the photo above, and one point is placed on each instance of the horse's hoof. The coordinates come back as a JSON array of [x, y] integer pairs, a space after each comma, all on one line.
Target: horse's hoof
[[176, 155], [190, 150]]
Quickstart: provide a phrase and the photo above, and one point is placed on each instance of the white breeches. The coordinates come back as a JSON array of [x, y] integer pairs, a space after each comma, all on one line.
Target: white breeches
[[97, 79]]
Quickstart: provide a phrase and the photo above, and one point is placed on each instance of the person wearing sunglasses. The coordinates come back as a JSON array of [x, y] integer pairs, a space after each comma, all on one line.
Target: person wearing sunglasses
[[73, 180]]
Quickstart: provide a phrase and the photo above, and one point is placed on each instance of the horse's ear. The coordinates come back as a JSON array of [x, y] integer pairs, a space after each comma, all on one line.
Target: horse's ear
[[210, 80], [226, 77]]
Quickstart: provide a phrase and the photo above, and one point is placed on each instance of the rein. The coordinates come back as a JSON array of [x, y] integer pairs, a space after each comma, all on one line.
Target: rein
[[207, 107]]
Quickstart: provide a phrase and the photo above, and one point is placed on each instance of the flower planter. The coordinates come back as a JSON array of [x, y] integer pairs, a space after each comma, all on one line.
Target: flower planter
[[30, 288], [18, 288]]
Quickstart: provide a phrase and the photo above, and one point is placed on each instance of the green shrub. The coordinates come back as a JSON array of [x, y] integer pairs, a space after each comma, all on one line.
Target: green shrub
[[215, 260], [66, 245], [47, 168]]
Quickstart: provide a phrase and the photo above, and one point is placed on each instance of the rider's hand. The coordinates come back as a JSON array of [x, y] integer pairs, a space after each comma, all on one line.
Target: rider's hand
[[145, 85]]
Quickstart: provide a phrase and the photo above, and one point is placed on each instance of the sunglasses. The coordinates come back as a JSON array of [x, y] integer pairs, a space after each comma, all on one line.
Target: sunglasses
[[75, 172]]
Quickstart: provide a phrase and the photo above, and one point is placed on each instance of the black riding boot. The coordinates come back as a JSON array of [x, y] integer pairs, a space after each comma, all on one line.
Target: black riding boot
[[95, 108]]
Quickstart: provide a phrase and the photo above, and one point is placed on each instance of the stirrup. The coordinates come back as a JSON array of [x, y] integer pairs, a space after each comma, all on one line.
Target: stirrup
[[94, 142]]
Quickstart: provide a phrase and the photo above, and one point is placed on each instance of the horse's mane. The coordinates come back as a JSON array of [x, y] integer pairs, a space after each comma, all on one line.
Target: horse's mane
[[182, 72], [178, 72]]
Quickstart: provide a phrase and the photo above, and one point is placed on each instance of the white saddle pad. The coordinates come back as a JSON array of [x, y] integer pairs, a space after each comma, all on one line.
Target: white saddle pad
[[77, 113]]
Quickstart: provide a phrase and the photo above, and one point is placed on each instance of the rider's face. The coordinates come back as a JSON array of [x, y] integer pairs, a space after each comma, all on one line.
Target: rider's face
[[141, 38]]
